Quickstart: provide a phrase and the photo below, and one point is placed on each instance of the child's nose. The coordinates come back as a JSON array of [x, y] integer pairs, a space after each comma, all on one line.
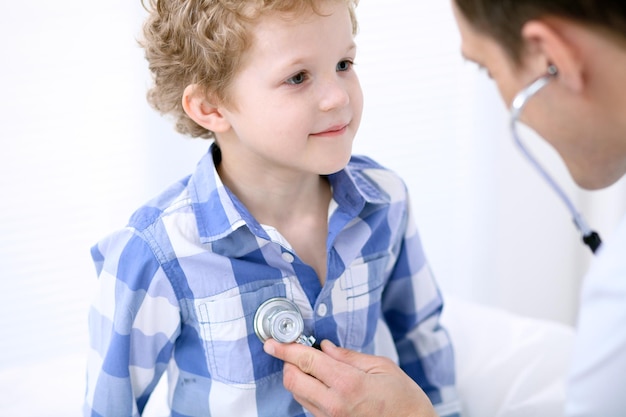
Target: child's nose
[[334, 95]]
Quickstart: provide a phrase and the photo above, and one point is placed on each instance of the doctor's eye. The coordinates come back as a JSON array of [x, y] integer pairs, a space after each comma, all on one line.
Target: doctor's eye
[[479, 66], [299, 78], [345, 65], [482, 68], [485, 70]]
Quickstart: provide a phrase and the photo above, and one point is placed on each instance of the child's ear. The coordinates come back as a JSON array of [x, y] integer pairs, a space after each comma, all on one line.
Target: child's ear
[[198, 107], [558, 50]]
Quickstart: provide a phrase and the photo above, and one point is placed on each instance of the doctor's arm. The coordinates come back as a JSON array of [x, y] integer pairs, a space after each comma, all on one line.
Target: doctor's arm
[[339, 382]]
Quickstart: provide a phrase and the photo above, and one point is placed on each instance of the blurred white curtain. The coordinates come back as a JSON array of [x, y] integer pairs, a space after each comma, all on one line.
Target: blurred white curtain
[[82, 150]]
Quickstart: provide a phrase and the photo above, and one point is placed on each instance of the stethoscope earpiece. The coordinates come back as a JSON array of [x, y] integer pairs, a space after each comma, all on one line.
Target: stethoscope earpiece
[[552, 70]]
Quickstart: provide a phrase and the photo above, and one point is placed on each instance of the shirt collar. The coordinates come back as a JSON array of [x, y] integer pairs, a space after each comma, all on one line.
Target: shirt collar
[[219, 212]]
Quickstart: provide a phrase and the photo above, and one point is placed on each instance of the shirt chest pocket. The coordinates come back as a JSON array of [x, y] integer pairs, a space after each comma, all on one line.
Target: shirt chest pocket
[[234, 354], [361, 288]]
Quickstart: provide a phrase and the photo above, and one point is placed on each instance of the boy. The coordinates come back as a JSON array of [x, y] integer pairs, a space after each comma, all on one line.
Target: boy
[[277, 208]]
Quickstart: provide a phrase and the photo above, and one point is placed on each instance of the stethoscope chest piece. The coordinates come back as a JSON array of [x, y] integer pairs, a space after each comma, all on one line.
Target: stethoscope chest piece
[[280, 319]]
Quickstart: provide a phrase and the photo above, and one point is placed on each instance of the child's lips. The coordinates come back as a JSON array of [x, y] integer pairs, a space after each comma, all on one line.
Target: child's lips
[[332, 131]]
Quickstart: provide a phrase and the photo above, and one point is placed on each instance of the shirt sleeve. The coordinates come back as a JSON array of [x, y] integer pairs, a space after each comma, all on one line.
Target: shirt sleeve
[[133, 322], [412, 305]]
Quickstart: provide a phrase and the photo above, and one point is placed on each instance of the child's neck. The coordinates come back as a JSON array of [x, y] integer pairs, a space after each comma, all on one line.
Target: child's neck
[[298, 209]]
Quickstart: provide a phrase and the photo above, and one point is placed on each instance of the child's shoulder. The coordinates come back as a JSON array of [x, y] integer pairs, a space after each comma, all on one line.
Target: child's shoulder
[[174, 197], [383, 178]]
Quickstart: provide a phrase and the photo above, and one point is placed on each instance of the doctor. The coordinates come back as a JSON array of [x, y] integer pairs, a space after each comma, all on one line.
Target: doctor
[[581, 112]]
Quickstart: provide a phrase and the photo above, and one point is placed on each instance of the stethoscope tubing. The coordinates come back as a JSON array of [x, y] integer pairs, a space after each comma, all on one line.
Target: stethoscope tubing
[[589, 237]]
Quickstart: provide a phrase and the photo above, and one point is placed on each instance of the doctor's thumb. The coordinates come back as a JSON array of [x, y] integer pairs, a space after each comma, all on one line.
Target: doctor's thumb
[[358, 360]]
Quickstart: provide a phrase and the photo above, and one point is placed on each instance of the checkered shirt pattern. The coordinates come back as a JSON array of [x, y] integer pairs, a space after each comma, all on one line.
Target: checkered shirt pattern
[[179, 286]]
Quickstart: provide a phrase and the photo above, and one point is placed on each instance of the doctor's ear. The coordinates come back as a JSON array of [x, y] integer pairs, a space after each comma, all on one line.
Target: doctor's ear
[[549, 47], [202, 110]]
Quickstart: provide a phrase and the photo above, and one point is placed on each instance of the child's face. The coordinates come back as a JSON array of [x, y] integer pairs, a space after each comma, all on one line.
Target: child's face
[[297, 101]]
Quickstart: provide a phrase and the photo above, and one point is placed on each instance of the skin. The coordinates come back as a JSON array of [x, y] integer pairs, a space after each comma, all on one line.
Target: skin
[[297, 107], [580, 113], [337, 382]]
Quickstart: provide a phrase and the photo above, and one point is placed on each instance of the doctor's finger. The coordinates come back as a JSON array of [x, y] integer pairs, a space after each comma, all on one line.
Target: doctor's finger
[[361, 361], [333, 373], [307, 390], [310, 361]]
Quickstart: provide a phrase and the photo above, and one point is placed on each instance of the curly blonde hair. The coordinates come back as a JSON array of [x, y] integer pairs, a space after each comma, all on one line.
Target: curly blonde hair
[[201, 42]]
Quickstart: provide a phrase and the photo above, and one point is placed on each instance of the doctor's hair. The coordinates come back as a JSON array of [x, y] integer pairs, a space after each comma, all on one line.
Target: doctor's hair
[[201, 42], [503, 20]]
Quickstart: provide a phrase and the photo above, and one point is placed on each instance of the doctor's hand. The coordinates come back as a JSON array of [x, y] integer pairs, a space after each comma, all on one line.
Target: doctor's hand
[[337, 382]]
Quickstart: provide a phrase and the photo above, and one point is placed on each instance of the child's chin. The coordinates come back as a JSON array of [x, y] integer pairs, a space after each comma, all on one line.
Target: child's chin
[[336, 166]]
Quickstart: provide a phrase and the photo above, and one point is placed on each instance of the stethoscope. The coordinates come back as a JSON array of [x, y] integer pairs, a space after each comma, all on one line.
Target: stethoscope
[[589, 237], [280, 319]]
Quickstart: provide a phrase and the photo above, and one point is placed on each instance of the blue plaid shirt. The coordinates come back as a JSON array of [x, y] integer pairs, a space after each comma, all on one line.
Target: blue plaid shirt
[[179, 286]]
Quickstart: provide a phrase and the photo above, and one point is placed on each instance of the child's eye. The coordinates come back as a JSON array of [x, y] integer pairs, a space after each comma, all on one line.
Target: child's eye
[[299, 78], [344, 65]]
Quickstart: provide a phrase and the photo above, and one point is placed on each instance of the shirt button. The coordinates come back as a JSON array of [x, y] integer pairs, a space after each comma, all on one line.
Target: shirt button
[[322, 309], [287, 257]]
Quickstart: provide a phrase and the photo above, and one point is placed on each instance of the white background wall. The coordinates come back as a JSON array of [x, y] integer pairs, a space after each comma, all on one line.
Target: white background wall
[[81, 150]]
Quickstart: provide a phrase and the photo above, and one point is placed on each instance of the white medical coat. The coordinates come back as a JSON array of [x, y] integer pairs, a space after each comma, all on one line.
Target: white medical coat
[[597, 381]]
